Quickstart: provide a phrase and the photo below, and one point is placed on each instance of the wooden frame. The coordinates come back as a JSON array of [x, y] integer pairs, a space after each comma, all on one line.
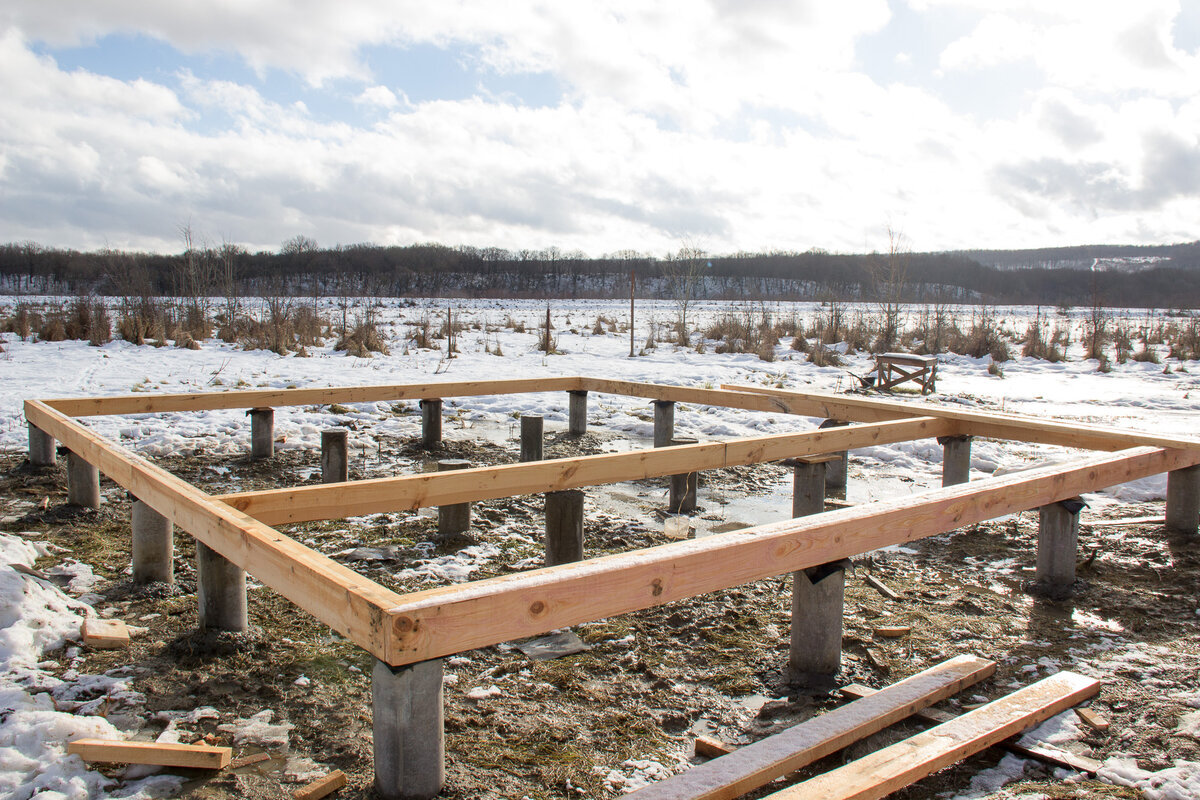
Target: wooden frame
[[407, 628]]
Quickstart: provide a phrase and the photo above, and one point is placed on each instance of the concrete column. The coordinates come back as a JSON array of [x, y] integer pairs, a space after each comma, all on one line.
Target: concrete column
[[153, 546], [835, 471], [683, 487], [956, 459], [816, 648], [532, 427], [564, 527], [431, 423], [410, 746], [41, 447], [1058, 547], [262, 432], [577, 417], [664, 422], [454, 518], [83, 482], [808, 486], [221, 590], [335, 455], [1183, 500]]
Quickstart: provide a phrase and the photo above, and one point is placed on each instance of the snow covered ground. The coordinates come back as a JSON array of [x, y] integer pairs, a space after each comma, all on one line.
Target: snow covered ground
[[37, 618]]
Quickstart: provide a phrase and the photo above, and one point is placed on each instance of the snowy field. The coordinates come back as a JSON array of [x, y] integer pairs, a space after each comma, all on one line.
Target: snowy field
[[36, 617]]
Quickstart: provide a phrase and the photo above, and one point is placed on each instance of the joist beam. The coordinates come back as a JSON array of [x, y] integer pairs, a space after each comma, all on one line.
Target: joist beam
[[341, 598], [451, 619], [307, 503], [990, 424], [267, 398]]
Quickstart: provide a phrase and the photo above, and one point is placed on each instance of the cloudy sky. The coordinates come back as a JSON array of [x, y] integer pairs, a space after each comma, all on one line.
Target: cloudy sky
[[726, 124]]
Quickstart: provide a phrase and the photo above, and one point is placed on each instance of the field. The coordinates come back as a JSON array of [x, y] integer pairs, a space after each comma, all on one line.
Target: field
[[625, 711]]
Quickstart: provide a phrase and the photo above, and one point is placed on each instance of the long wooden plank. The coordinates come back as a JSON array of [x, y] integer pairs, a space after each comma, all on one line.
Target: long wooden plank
[[757, 764], [262, 398], [448, 620], [995, 425], [163, 754], [346, 601], [332, 501], [906, 762]]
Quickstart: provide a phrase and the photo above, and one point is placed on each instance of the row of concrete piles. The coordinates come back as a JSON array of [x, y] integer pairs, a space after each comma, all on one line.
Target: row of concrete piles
[[407, 701]]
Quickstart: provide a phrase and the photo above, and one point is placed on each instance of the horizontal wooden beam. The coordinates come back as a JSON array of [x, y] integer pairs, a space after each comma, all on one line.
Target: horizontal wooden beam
[[163, 754], [264, 398], [333, 501], [991, 424], [451, 619], [341, 598]]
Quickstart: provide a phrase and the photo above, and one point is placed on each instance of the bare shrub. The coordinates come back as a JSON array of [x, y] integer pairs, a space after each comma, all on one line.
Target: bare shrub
[[1036, 344], [822, 356], [23, 321], [54, 326], [363, 339], [142, 318]]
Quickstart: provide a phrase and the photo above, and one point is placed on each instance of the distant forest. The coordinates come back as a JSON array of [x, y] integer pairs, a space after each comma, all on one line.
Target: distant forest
[[1165, 276]]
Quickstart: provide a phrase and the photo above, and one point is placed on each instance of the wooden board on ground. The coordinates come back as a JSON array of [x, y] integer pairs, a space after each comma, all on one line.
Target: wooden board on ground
[[1121, 523], [906, 762], [758, 764], [162, 754], [105, 634], [1047, 755], [321, 787], [881, 587]]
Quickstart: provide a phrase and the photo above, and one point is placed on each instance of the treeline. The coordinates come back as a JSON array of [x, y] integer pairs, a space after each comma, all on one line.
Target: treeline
[[302, 268]]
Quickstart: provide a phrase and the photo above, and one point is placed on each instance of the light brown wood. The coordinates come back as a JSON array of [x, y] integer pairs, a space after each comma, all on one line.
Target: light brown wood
[[757, 764], [246, 761], [341, 598], [307, 503], [105, 634], [1047, 755], [322, 787], [892, 631], [1123, 523], [1092, 719], [708, 747], [908, 367], [906, 762], [268, 398], [881, 587], [451, 619], [161, 754]]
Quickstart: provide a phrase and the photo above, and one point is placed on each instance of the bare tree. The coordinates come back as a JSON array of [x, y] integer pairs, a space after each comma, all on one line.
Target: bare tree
[[684, 272], [888, 274]]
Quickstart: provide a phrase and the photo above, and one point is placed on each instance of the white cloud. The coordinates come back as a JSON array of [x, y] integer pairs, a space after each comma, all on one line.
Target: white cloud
[[380, 96]]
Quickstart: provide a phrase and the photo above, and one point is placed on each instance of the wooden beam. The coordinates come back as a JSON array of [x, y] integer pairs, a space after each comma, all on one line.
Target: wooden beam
[[990, 424], [722, 398], [757, 764], [333, 501], [447, 620], [267, 398], [906, 762], [341, 598], [104, 634], [163, 754], [322, 787]]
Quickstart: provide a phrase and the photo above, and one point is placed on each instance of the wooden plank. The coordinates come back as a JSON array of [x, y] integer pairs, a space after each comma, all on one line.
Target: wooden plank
[[105, 634], [265, 398], [722, 398], [341, 598], [881, 587], [332, 501], [991, 424], [163, 754], [321, 787], [757, 764], [246, 761], [906, 762], [1047, 755], [1122, 523], [1092, 719], [708, 747], [892, 631], [447, 620]]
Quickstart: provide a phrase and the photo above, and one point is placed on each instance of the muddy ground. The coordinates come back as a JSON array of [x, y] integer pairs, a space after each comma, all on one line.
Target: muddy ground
[[583, 724]]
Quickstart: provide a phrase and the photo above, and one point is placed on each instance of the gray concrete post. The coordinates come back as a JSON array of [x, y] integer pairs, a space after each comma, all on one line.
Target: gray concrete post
[[335, 455], [808, 486], [431, 423], [1183, 499], [577, 413], [221, 591], [262, 432], [836, 471], [956, 459], [682, 499], [409, 736], [532, 427], [815, 657], [564, 527], [664, 422], [83, 482], [1057, 547], [41, 447], [454, 518], [153, 546]]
